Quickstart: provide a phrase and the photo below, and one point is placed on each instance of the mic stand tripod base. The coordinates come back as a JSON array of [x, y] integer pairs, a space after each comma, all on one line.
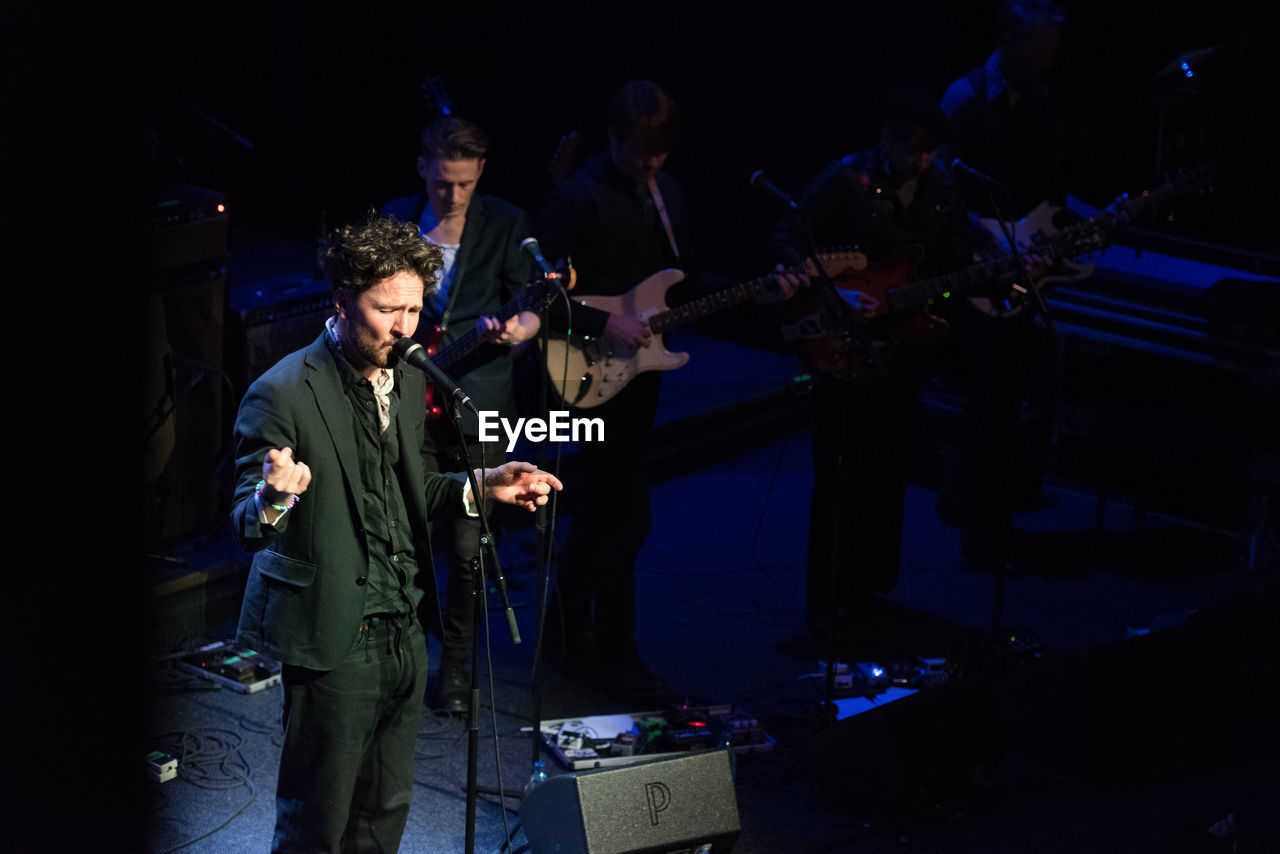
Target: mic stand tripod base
[[509, 794]]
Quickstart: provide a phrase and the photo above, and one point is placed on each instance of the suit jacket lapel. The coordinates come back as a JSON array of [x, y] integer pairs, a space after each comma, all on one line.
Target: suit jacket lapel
[[419, 207], [472, 227], [326, 385]]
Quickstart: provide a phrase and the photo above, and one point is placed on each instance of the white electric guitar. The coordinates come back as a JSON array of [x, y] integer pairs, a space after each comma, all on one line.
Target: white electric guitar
[[1039, 227], [587, 371]]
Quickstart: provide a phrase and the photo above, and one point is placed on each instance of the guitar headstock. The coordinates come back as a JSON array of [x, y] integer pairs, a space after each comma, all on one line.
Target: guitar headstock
[[542, 291], [564, 158], [837, 260], [1194, 181], [435, 95]]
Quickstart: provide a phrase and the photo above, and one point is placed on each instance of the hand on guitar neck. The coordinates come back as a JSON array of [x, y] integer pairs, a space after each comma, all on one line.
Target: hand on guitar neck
[[785, 284], [864, 304], [1033, 235], [517, 329], [629, 329], [565, 157], [634, 331]]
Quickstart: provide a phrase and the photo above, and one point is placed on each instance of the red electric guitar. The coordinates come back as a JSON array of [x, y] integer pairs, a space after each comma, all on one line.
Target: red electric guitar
[[535, 296], [818, 317]]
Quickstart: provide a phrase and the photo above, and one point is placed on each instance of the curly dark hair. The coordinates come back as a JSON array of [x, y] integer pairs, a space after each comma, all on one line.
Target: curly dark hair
[[361, 255]]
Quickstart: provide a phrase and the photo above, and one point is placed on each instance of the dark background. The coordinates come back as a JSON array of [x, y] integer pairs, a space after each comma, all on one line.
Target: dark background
[[330, 98], [107, 105]]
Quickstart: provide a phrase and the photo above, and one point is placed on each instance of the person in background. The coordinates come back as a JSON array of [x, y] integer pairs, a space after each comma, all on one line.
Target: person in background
[[479, 238]]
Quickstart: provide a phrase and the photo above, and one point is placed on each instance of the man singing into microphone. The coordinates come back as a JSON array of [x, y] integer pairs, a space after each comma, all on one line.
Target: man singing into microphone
[[335, 500], [479, 237]]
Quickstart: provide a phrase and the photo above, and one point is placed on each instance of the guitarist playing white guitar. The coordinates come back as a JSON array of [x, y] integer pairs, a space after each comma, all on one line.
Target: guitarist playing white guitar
[[619, 219], [1005, 124]]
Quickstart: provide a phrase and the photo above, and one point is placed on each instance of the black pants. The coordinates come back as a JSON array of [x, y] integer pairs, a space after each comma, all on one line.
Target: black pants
[[998, 461], [595, 588], [459, 538], [861, 434], [346, 768]]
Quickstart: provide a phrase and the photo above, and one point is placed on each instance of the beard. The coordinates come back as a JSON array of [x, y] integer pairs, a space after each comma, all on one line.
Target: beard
[[368, 348]]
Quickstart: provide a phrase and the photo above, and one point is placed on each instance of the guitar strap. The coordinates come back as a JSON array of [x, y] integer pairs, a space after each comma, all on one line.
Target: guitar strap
[[454, 286], [662, 213]]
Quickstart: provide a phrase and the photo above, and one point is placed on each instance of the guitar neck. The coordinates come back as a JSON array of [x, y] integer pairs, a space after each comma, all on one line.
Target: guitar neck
[[721, 300], [464, 344], [1075, 240], [710, 304], [918, 294]]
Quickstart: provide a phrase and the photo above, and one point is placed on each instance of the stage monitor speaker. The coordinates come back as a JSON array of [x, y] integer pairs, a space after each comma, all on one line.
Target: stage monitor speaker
[[685, 803], [187, 422]]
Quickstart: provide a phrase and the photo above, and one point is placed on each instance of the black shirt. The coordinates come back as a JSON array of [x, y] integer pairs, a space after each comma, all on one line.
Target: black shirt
[[1020, 146], [388, 538], [490, 270], [611, 230], [855, 201]]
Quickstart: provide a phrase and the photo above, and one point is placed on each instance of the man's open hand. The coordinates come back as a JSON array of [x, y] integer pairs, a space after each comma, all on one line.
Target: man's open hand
[[519, 483]]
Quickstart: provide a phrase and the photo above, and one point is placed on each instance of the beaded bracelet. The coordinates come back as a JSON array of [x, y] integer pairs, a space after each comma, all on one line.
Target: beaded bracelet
[[293, 499]]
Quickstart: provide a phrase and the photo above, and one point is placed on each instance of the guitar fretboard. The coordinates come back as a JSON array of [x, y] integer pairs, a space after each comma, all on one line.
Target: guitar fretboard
[[725, 298], [1084, 236], [461, 346], [916, 295]]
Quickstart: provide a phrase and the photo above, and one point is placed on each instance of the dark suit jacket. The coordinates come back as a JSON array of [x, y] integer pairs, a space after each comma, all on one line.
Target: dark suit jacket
[[489, 271], [304, 600]]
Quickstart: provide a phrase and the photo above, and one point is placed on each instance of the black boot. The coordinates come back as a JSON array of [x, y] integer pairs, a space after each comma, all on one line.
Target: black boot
[[628, 677], [452, 687], [575, 654]]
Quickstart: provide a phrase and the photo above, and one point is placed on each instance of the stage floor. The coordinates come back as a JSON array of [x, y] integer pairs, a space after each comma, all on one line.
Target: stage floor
[[1146, 718]]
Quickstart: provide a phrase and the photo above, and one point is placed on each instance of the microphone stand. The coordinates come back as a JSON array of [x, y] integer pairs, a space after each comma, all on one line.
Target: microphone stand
[[543, 553], [854, 338], [478, 613], [1008, 229], [544, 522]]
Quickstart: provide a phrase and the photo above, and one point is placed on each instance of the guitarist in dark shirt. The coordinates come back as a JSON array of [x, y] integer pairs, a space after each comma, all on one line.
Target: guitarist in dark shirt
[[620, 219], [882, 200], [484, 269], [1006, 124]]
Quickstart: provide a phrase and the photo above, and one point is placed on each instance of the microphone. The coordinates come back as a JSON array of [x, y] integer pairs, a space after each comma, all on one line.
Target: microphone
[[960, 166], [530, 245], [412, 352], [757, 180]]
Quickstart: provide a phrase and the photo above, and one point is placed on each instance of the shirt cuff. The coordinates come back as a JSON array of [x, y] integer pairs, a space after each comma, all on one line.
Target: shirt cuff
[[469, 500], [262, 513]]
